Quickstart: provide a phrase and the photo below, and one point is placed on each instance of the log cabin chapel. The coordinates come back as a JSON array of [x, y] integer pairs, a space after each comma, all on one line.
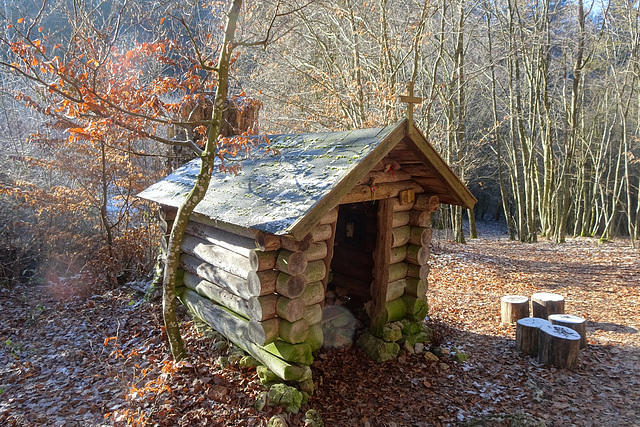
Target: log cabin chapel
[[320, 214]]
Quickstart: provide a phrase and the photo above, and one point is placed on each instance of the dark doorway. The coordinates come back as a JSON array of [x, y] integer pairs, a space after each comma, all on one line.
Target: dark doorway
[[352, 263]]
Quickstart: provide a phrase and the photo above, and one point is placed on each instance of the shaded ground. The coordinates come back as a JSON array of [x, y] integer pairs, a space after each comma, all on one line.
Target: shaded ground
[[57, 369]]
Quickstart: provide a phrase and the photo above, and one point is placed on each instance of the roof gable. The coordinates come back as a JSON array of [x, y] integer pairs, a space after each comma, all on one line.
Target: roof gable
[[289, 192]]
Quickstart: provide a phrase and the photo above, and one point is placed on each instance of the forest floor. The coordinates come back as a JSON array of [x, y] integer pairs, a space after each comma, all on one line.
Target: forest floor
[[102, 360]]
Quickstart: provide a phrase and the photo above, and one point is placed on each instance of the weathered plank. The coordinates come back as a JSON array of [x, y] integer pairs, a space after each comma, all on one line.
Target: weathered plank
[[379, 177]]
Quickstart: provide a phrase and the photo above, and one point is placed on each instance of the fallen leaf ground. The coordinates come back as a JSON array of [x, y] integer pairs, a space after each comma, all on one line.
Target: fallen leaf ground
[[102, 360]]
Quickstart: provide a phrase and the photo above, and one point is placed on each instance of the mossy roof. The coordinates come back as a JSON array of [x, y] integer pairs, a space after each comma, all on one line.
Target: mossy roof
[[301, 177]]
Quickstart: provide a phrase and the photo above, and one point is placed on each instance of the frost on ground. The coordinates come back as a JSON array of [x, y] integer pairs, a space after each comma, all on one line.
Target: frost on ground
[[57, 369]]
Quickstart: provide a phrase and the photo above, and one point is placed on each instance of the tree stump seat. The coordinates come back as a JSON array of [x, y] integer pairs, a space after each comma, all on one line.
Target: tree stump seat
[[527, 333], [558, 346], [513, 308], [576, 323], [545, 303]]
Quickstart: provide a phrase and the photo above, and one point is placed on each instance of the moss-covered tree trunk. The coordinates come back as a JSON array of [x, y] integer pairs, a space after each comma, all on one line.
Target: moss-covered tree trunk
[[170, 280]]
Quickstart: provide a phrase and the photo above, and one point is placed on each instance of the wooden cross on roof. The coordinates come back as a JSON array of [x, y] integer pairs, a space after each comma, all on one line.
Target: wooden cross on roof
[[410, 100]]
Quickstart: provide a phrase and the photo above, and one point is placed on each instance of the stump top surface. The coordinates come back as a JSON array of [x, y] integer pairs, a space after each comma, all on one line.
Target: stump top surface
[[515, 299], [566, 318], [534, 322], [561, 332], [546, 296]]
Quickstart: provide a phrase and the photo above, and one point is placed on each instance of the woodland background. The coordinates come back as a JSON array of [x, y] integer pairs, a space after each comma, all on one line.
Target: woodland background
[[535, 105]]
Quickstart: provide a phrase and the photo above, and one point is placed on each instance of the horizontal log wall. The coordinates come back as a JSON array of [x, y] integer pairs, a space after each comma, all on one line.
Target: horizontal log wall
[[264, 292], [237, 329]]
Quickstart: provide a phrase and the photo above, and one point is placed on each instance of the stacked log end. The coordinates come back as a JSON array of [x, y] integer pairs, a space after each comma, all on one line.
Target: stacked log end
[[266, 293], [407, 257]]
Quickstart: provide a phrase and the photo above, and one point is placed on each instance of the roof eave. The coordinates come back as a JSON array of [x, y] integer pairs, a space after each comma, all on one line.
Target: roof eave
[[429, 155]]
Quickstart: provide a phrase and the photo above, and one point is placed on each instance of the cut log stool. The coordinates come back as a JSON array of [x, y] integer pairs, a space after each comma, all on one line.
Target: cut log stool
[[544, 304], [558, 346], [513, 308], [576, 323], [527, 332]]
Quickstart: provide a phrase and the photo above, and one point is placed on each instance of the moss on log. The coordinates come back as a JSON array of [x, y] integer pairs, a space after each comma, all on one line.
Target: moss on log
[[378, 349], [313, 293], [315, 337], [417, 308], [236, 329], [294, 332], [416, 287], [296, 353], [290, 309], [313, 314]]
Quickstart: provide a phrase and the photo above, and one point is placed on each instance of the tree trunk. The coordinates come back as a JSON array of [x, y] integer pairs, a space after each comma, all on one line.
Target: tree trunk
[[498, 137], [197, 193], [473, 232], [576, 323]]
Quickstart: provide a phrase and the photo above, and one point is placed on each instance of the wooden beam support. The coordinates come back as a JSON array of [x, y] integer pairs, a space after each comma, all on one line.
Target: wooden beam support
[[365, 193], [382, 254]]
